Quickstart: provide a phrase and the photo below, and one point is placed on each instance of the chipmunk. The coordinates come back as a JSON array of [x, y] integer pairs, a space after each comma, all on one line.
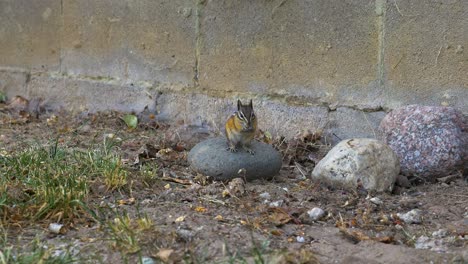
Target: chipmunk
[[241, 127]]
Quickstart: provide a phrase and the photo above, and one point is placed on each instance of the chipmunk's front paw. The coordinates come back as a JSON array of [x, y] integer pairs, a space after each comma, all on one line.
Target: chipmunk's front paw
[[249, 150], [231, 149]]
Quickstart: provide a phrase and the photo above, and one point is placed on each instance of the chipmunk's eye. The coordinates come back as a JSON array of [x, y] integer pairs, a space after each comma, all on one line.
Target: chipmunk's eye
[[241, 116], [252, 116]]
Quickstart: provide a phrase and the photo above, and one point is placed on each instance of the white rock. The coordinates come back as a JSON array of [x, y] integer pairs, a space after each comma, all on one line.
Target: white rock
[[424, 242], [264, 195], [376, 200], [441, 233], [359, 162], [55, 228], [316, 213], [300, 239], [276, 203], [411, 217], [147, 260]]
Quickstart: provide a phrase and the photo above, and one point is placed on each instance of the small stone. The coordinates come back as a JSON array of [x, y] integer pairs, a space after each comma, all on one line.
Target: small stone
[[264, 195], [211, 158], [147, 260], [185, 234], [236, 187], [424, 242], [300, 239], [403, 181], [376, 200], [430, 141], [55, 228], [359, 163], [84, 129], [316, 213], [412, 217], [441, 233], [276, 203]]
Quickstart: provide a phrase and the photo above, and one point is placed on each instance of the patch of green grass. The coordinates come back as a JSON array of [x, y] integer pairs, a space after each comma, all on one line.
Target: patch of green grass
[[149, 173], [52, 182], [33, 252], [126, 233]]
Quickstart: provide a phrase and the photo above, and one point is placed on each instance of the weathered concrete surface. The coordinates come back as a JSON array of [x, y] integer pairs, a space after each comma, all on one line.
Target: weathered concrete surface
[[30, 34], [14, 82], [426, 53], [308, 65], [326, 51], [82, 95], [150, 41], [347, 123]]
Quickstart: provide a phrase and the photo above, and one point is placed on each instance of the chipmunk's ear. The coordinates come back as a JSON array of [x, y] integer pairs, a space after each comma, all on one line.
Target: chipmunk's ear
[[239, 104], [250, 104]]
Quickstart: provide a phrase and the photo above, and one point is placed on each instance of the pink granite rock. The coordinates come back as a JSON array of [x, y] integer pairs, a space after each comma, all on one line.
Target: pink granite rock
[[430, 141]]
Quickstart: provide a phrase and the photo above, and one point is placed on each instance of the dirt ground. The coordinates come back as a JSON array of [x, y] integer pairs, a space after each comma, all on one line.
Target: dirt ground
[[197, 220]]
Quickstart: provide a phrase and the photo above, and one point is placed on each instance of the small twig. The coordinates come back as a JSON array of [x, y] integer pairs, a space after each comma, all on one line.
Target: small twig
[[398, 63], [300, 169], [438, 55], [213, 200], [176, 180], [449, 178], [455, 195]]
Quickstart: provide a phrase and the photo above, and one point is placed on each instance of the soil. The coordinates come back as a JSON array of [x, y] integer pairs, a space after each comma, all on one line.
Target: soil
[[197, 220]]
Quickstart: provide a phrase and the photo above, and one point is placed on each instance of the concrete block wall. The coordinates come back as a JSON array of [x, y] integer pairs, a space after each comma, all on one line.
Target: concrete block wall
[[307, 64]]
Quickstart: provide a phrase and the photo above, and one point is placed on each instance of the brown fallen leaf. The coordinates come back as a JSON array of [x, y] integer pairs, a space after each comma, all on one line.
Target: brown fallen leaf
[[201, 209], [176, 180], [128, 201], [164, 254], [356, 236], [278, 216]]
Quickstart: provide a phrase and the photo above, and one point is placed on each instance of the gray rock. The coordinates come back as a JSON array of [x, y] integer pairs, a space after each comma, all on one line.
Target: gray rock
[[412, 217], [359, 162], [376, 200], [315, 213], [211, 158], [430, 141], [441, 233]]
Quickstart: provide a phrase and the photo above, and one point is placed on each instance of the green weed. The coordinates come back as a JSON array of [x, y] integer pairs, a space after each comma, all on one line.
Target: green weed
[[52, 182]]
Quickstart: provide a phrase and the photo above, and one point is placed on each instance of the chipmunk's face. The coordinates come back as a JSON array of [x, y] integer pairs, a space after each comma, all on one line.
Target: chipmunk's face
[[246, 116]]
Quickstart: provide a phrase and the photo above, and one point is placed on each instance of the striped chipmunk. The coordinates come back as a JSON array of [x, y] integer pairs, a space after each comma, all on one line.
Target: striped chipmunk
[[241, 127]]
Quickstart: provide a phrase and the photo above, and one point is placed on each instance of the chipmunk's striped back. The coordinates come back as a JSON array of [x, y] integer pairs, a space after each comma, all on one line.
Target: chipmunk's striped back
[[241, 127]]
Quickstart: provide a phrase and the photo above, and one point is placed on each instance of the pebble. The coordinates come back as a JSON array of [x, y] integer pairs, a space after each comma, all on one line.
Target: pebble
[[300, 239], [316, 213], [441, 233], [55, 228], [376, 200], [147, 260], [278, 203], [412, 217]]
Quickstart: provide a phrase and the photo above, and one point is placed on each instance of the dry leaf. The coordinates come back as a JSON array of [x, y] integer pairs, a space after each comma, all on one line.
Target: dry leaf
[[279, 217], [276, 232], [219, 218], [164, 254], [180, 219], [201, 209], [127, 201]]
